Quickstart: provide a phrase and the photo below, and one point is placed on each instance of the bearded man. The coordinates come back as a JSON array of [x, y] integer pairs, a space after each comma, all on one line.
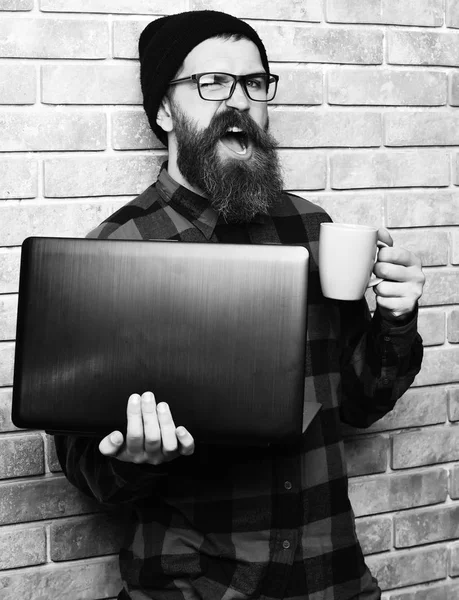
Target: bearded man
[[237, 523]]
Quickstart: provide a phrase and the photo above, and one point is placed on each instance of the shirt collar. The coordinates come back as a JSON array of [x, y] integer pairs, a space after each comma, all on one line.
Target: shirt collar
[[192, 206]]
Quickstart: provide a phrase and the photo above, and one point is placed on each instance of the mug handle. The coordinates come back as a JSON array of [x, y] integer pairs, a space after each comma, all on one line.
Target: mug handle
[[375, 280]]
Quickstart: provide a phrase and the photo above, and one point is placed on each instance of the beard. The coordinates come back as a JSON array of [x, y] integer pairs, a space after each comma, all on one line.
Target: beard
[[236, 189]]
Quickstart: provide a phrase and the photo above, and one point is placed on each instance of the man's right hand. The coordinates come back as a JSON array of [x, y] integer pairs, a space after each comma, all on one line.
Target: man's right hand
[[151, 435]]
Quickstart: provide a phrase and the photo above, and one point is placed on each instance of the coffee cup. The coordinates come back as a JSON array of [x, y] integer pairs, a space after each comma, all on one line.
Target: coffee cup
[[347, 255]]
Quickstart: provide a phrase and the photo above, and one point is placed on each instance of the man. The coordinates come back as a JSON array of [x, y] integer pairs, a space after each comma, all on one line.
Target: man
[[225, 523]]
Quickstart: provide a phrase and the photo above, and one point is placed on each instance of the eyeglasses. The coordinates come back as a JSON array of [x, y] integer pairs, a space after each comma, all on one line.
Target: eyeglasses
[[260, 87]]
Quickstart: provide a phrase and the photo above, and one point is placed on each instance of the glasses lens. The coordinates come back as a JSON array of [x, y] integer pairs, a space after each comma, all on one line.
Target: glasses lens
[[261, 87], [215, 86]]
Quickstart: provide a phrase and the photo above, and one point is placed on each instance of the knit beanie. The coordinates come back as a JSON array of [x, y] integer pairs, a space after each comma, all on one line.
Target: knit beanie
[[165, 43]]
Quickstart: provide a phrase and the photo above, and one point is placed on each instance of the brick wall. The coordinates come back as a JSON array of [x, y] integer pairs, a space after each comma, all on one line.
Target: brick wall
[[368, 128]]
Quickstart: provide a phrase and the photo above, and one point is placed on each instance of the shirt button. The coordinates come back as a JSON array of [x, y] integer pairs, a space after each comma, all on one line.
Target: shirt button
[[286, 544], [288, 485]]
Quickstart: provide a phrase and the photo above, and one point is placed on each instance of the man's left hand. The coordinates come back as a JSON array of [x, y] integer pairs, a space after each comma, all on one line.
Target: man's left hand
[[403, 283]]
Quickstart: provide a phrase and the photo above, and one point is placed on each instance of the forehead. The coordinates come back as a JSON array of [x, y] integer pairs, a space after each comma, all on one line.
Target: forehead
[[218, 54]]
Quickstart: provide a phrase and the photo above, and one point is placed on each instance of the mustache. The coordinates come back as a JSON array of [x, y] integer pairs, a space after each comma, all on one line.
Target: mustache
[[220, 123]]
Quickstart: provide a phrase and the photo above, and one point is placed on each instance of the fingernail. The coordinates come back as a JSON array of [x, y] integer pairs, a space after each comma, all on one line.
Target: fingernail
[[180, 431], [116, 438], [162, 407]]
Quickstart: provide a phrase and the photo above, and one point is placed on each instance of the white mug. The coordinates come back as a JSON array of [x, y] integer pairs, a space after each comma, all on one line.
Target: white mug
[[347, 255]]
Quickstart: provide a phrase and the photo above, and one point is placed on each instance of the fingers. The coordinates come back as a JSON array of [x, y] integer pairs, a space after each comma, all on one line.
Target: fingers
[[111, 444], [186, 441], [385, 237], [167, 426], [134, 432], [152, 432], [398, 256]]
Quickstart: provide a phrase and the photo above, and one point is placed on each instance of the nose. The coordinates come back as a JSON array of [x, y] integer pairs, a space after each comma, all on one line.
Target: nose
[[239, 98]]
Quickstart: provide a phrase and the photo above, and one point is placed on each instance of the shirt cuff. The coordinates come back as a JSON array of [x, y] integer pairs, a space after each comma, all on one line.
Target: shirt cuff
[[401, 336]]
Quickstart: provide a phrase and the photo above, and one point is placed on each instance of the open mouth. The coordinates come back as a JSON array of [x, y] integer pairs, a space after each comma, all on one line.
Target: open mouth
[[236, 139]]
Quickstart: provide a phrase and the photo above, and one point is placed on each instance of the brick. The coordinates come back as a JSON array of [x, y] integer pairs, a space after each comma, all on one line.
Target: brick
[[362, 209], [390, 12], [21, 456], [366, 456], [18, 178], [8, 310], [126, 37], [285, 43], [423, 48], [456, 170], [430, 246], [131, 131], [454, 97], [441, 287], [439, 365], [454, 491], [258, 9], [416, 408], [453, 327], [51, 455], [81, 580], [426, 526], [292, 43], [16, 5], [444, 591], [408, 567], [5, 411], [431, 326], [303, 170], [9, 269], [421, 129], [432, 446], [453, 404], [53, 129], [350, 86], [56, 218], [300, 84], [136, 7], [452, 13], [419, 209], [95, 535], [22, 547], [91, 84], [455, 249], [99, 176], [18, 83], [454, 561], [6, 363], [375, 534], [40, 499], [387, 493], [429, 168], [297, 128], [53, 38]]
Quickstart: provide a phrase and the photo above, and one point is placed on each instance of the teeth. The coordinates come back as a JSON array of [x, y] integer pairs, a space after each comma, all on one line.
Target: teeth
[[234, 130]]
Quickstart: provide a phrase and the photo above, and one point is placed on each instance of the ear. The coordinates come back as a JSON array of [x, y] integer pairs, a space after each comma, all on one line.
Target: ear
[[164, 116]]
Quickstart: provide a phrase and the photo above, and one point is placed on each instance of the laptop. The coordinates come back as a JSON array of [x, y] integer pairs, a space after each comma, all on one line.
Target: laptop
[[216, 330]]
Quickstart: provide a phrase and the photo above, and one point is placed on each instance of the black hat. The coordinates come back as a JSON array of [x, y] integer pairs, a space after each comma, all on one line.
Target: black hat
[[165, 43]]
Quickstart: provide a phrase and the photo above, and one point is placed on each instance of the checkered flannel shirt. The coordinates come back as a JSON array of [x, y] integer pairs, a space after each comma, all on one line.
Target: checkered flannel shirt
[[250, 523]]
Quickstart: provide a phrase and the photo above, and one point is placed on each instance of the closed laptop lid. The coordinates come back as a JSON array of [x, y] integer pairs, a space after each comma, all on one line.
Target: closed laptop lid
[[216, 330]]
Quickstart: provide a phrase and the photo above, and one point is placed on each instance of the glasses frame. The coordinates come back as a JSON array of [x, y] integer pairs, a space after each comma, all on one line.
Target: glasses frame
[[272, 80]]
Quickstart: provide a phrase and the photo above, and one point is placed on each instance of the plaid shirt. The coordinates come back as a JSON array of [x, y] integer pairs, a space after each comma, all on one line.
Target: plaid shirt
[[254, 523]]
